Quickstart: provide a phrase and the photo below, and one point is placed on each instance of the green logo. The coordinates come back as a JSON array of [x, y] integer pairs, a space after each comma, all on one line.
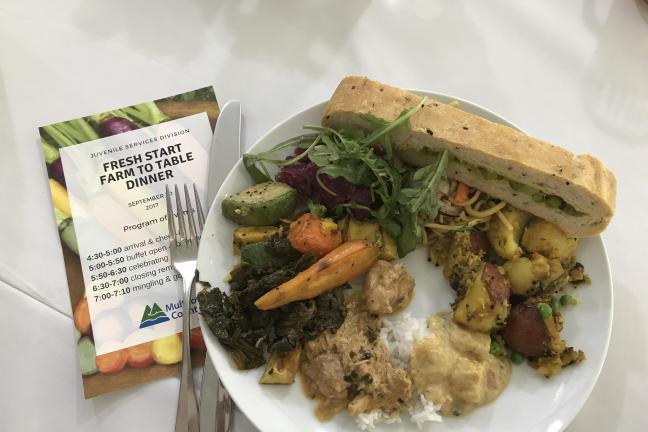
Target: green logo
[[153, 315]]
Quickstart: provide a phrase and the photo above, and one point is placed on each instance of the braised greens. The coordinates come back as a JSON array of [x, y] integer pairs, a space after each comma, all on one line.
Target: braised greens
[[247, 332]]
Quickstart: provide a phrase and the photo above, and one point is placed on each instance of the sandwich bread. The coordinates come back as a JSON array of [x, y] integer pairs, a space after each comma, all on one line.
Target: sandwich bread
[[575, 192]]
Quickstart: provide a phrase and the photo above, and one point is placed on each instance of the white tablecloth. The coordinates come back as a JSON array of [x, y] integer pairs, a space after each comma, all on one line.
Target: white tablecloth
[[571, 72]]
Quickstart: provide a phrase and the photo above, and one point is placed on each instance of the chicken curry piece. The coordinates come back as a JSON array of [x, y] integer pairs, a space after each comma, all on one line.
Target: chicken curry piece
[[351, 369], [387, 288]]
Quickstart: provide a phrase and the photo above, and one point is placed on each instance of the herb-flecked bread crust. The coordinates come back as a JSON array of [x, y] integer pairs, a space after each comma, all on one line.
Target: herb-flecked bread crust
[[582, 181]]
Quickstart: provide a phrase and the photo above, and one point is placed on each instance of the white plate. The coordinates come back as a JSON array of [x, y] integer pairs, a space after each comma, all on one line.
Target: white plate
[[530, 402]]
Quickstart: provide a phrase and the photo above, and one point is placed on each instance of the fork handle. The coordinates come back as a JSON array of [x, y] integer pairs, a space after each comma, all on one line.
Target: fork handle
[[187, 419]]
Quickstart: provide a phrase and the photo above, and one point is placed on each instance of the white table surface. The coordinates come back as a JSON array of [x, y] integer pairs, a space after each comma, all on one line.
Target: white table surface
[[575, 73]]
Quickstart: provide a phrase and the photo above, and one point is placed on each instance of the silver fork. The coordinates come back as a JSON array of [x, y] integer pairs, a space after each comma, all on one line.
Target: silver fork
[[184, 254]]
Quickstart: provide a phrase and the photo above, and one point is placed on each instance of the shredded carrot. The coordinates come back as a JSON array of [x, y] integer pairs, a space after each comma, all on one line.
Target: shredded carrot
[[461, 194]]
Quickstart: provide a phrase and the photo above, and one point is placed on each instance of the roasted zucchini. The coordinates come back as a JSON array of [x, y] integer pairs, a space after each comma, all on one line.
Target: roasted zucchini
[[253, 234], [282, 367]]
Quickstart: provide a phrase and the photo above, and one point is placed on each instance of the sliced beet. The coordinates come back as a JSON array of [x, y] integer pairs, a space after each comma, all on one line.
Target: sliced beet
[[496, 284], [525, 331]]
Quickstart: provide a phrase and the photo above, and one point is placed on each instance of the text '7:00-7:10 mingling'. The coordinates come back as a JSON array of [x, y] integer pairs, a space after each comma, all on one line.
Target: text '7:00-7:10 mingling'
[[110, 294]]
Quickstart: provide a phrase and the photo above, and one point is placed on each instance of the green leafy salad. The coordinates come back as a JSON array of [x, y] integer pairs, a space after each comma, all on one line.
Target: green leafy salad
[[355, 172]]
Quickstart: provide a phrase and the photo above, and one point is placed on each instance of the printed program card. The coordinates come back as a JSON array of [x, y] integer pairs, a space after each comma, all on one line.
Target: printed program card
[[116, 186], [107, 177]]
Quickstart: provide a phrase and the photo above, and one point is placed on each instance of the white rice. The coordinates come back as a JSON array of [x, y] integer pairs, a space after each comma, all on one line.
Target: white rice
[[368, 421], [424, 411], [399, 337]]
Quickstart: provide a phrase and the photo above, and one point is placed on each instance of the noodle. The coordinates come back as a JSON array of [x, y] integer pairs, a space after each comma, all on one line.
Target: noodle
[[471, 216], [442, 227], [504, 220], [471, 201], [485, 213]]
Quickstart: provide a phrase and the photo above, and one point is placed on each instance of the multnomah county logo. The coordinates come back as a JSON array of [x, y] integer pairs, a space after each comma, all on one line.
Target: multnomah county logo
[[153, 315]]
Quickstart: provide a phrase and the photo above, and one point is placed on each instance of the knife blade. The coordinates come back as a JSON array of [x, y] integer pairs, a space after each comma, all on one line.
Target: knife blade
[[215, 404], [225, 148]]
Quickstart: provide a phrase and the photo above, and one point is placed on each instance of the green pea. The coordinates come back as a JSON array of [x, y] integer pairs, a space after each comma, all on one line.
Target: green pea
[[538, 197], [495, 348], [545, 310], [517, 358], [554, 201], [566, 300], [515, 185], [487, 174], [555, 303]]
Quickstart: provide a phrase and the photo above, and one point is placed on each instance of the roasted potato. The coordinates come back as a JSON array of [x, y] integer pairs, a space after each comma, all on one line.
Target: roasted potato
[[547, 239], [524, 274], [505, 241], [388, 248], [484, 305], [557, 279], [374, 233], [551, 365], [459, 258], [357, 230], [439, 246], [282, 367]]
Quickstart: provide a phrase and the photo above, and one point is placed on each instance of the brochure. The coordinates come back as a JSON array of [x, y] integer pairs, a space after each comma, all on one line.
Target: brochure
[[107, 177]]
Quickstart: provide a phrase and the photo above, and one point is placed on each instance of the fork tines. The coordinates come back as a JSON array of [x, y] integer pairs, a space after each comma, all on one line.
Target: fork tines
[[187, 231]]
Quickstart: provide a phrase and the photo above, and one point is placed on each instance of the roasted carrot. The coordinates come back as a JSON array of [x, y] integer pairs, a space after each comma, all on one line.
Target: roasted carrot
[[347, 261], [310, 234], [461, 194]]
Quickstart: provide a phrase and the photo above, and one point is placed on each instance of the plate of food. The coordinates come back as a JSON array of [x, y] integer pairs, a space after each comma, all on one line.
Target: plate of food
[[406, 260]]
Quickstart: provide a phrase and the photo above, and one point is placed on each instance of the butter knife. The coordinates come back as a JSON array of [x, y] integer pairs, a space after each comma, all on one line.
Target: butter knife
[[225, 149], [216, 409]]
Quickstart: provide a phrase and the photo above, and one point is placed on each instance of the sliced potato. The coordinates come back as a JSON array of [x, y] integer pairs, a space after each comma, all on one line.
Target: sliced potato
[[505, 241], [547, 239], [282, 367]]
